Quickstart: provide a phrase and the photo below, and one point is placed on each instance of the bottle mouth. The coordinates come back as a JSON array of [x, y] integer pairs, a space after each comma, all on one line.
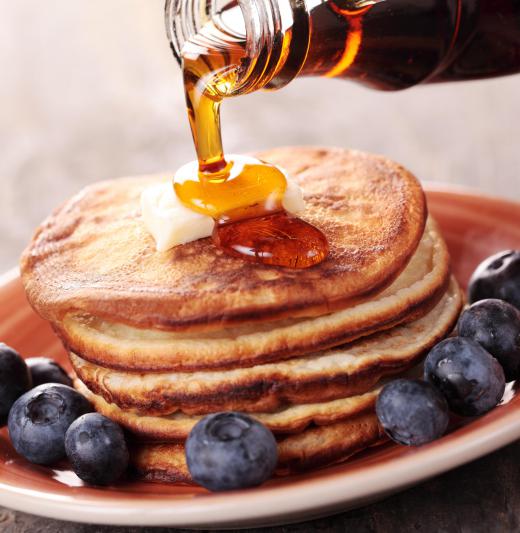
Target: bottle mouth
[[264, 28], [186, 18]]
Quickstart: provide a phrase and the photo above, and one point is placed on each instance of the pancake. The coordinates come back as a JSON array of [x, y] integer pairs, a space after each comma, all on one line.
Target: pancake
[[314, 447], [293, 419], [158, 340], [94, 255], [410, 296], [338, 373]]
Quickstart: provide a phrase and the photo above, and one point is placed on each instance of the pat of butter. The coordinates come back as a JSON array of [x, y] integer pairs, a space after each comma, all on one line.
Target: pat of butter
[[171, 223]]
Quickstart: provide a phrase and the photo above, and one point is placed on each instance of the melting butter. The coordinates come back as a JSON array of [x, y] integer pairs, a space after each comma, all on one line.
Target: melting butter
[[171, 223]]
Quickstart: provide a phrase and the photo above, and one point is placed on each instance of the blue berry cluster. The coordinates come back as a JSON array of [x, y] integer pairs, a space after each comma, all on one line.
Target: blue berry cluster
[[465, 374], [48, 420]]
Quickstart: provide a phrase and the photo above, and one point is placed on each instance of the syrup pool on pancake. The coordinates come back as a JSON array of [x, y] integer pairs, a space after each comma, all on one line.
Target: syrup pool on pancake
[[246, 201], [243, 196]]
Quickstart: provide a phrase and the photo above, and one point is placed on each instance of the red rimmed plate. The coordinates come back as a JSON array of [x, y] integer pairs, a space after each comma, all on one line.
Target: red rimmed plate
[[474, 226]]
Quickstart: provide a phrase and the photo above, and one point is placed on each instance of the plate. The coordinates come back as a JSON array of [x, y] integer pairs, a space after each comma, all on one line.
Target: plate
[[474, 226]]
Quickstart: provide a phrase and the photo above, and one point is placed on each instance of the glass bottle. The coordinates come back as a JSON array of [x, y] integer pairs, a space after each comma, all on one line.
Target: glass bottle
[[384, 44]]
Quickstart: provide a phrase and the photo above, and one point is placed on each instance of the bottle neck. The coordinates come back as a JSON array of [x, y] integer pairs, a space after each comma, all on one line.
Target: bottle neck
[[264, 30]]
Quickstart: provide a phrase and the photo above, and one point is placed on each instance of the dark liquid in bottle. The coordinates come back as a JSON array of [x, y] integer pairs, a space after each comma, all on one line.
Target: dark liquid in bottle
[[396, 44]]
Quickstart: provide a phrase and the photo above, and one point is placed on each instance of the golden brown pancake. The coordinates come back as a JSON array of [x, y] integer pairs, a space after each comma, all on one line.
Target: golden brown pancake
[[292, 419], [314, 447], [95, 256], [318, 377], [416, 290], [160, 339]]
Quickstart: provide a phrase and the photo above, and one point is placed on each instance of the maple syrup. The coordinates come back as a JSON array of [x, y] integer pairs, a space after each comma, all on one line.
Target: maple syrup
[[243, 195]]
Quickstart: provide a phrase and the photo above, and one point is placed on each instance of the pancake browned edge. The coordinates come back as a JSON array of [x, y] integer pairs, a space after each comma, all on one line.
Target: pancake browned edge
[[417, 288], [343, 371], [292, 419], [313, 448], [95, 256]]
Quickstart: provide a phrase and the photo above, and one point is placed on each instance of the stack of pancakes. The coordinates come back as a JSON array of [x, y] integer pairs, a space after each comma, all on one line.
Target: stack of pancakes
[[159, 340]]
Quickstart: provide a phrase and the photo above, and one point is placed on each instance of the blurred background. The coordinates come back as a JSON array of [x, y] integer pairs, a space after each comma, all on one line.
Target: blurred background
[[90, 90]]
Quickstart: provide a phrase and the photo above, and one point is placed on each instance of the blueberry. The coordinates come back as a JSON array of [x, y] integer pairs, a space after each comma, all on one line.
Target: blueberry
[[40, 418], [412, 412], [44, 370], [470, 378], [497, 276], [14, 380], [495, 325], [96, 449], [227, 451]]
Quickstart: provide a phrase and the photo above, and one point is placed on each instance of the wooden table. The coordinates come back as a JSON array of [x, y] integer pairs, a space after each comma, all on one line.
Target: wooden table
[[89, 91]]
